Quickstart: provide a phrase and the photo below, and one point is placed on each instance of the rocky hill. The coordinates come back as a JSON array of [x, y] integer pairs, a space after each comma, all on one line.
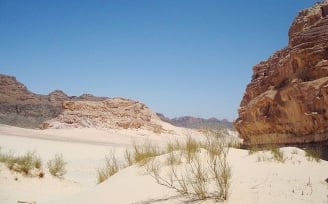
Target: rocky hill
[[20, 107], [196, 123], [115, 113], [287, 100], [23, 108]]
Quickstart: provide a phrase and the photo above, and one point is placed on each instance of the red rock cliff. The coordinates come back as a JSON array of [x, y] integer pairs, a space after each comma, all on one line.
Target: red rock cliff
[[287, 100]]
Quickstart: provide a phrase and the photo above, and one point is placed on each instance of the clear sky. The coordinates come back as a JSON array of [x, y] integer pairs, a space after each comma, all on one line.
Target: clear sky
[[179, 57]]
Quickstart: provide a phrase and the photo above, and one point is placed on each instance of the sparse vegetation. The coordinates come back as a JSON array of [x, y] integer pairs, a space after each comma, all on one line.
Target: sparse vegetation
[[196, 177], [173, 146], [173, 158], [190, 149], [313, 154], [128, 158], [278, 155], [57, 165], [28, 164], [111, 167], [295, 151], [143, 153]]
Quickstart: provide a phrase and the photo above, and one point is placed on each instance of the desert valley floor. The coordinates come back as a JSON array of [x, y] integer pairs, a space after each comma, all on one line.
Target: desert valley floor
[[297, 180]]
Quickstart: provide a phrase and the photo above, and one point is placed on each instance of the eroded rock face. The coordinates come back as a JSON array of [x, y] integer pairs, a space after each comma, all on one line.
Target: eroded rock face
[[287, 99], [116, 113], [20, 107], [23, 108]]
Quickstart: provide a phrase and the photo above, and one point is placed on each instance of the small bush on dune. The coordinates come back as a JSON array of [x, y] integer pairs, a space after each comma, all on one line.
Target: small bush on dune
[[22, 164], [194, 179], [111, 167], [190, 149], [128, 158], [173, 158], [143, 153], [173, 146], [313, 154], [57, 165], [278, 155]]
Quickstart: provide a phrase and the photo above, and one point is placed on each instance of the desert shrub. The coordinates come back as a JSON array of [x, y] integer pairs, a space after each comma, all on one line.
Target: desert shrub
[[198, 179], [190, 149], [173, 146], [111, 167], [221, 172], [313, 154], [22, 164], [278, 155], [173, 158], [128, 158], [214, 146], [28, 161], [194, 179], [143, 153], [57, 165], [235, 145], [252, 150]]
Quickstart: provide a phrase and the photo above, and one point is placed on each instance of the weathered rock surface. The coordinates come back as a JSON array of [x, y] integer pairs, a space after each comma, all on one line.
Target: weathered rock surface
[[116, 113], [287, 99], [20, 107]]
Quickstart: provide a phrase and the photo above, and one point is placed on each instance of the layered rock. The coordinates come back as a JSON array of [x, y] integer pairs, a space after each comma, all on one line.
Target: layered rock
[[20, 107], [23, 108], [287, 99], [116, 113]]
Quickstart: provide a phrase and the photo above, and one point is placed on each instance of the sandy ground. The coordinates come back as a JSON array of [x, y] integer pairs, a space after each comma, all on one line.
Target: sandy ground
[[297, 180]]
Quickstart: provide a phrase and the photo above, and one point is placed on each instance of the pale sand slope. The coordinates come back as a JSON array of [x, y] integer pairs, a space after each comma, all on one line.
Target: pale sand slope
[[294, 181], [83, 150], [297, 180]]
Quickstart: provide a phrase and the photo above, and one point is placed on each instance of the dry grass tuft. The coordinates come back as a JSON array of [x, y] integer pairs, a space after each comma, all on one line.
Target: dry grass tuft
[[111, 167], [28, 164], [57, 165]]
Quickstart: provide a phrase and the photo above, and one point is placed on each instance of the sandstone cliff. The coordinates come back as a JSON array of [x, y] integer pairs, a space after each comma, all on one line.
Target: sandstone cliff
[[287, 99]]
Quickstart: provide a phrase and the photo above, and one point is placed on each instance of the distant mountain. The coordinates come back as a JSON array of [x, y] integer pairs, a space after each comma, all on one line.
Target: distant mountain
[[196, 123]]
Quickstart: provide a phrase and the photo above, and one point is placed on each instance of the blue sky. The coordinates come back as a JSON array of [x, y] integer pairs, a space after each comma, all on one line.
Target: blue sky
[[179, 57]]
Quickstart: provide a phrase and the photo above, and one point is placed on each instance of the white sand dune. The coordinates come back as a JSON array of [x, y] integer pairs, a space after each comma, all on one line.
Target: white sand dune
[[297, 180]]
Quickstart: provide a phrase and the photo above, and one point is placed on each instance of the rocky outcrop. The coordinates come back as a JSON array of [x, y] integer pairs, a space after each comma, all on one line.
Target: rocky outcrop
[[23, 108], [196, 123], [20, 107], [116, 113], [287, 99]]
